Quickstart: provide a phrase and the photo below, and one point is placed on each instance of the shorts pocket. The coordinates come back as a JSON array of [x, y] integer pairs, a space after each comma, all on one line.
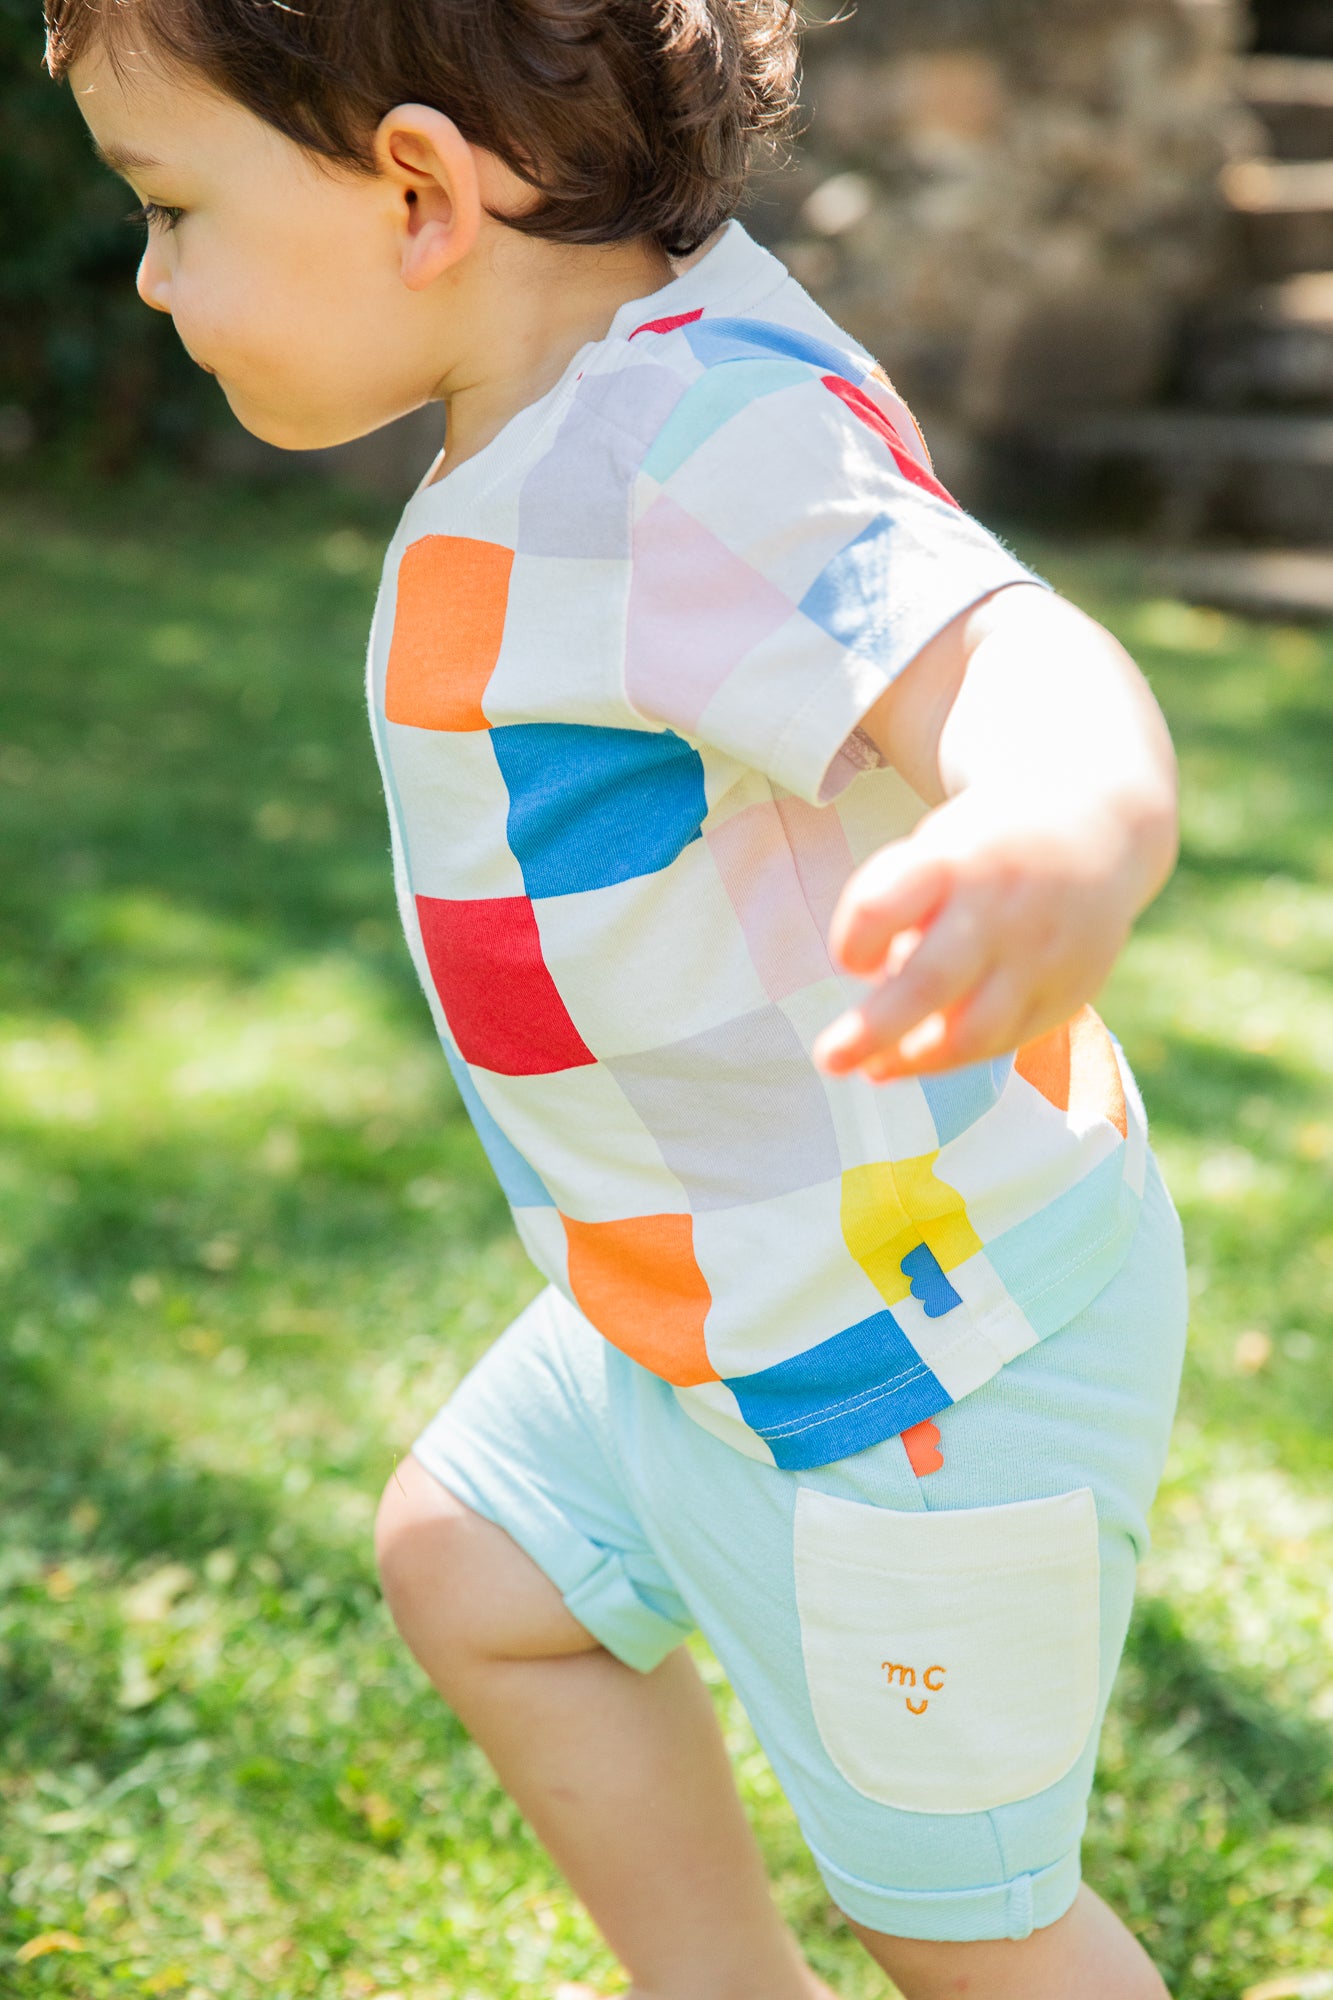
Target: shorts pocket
[[952, 1658]]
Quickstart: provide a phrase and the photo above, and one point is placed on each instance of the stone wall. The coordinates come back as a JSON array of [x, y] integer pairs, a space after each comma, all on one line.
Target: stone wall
[[1011, 201]]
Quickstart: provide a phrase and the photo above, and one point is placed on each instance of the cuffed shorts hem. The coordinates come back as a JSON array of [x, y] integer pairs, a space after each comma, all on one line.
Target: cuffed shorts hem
[[960, 1916], [594, 1582]]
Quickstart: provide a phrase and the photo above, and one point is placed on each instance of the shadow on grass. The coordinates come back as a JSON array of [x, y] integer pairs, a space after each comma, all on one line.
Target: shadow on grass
[[195, 734], [1199, 1087], [153, 1508], [1268, 1755], [220, 1735]]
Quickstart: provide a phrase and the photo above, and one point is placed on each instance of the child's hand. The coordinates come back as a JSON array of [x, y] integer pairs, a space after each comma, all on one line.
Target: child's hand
[[1002, 913], [990, 924]]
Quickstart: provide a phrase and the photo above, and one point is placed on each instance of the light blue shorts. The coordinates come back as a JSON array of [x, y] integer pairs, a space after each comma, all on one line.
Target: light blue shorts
[[926, 1659]]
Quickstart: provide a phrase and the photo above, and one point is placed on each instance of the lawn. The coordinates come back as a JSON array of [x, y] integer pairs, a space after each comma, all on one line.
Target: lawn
[[248, 1242]]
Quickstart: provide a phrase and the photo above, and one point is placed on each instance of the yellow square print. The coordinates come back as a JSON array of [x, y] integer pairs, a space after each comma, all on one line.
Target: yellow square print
[[892, 1206]]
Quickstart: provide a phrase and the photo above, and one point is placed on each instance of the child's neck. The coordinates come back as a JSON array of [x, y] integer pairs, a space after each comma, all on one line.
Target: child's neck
[[531, 306]]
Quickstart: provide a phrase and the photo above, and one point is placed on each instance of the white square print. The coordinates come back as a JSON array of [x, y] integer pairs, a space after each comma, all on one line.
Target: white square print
[[744, 483], [1017, 1159], [561, 656], [453, 811], [781, 1277], [651, 961], [578, 1131]]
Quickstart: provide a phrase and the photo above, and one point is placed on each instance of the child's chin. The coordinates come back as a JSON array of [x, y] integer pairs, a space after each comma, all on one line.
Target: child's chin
[[290, 437], [285, 430]]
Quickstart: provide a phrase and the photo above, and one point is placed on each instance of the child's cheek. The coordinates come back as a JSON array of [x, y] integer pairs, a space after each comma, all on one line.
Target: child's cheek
[[218, 294], [207, 329]]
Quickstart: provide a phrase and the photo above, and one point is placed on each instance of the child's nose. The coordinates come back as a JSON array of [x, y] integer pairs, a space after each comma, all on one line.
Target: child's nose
[[152, 283]]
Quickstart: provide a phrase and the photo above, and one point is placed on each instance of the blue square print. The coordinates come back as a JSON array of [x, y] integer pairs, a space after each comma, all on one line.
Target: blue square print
[[726, 339], [840, 1397], [959, 1097], [591, 807], [850, 597]]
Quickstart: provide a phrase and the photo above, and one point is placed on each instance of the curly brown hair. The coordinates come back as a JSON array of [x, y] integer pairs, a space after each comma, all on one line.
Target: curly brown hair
[[630, 118]]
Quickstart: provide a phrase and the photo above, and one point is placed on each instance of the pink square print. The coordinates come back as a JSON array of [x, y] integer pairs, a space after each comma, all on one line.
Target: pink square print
[[759, 873], [821, 853], [695, 610]]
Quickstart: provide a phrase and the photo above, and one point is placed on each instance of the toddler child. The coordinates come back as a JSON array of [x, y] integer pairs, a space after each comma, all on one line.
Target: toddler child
[[762, 829]]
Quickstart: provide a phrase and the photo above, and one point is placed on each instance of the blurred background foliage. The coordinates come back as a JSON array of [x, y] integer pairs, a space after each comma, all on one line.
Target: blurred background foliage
[[81, 362]]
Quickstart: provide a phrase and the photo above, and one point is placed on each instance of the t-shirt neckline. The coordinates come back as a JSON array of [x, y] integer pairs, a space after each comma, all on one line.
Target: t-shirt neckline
[[717, 273]]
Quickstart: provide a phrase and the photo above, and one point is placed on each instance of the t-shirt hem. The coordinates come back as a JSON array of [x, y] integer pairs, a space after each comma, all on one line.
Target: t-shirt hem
[[843, 1433], [852, 1425]]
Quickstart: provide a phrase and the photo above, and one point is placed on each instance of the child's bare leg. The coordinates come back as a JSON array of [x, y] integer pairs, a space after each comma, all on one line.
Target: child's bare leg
[[623, 1775], [1088, 1954]]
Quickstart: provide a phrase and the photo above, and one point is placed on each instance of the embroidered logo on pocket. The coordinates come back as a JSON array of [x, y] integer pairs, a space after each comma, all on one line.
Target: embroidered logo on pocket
[[906, 1677], [952, 1658]]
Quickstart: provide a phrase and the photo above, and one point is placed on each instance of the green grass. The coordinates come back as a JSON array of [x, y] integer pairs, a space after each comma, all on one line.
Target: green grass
[[247, 1243]]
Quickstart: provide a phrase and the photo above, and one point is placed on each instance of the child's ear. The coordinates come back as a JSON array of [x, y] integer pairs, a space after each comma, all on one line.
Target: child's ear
[[434, 172]]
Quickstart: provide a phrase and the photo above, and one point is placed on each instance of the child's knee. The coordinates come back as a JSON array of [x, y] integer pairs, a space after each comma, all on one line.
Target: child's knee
[[422, 1549], [460, 1589]]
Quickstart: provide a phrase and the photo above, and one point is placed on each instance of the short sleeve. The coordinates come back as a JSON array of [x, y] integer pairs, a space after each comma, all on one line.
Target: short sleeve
[[792, 553]]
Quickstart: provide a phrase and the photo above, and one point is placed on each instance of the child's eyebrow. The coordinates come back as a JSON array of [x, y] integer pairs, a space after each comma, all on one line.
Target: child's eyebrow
[[124, 160]]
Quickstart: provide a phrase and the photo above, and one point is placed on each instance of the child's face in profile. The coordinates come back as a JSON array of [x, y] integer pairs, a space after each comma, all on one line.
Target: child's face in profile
[[283, 274]]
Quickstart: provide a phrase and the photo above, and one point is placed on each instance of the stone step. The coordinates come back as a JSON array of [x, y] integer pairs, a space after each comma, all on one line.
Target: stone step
[[1293, 96], [1177, 473], [1272, 347], [1285, 211], [1288, 585]]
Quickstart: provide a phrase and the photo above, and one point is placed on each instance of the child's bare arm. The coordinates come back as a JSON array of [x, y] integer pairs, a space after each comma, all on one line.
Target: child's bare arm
[[1035, 738]]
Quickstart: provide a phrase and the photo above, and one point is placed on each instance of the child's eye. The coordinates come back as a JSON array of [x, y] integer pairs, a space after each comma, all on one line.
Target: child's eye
[[156, 214]]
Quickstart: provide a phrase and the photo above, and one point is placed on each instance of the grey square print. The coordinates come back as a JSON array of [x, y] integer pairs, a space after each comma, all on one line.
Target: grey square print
[[739, 1111]]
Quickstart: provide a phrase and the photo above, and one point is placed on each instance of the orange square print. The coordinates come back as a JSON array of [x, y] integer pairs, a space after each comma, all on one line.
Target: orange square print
[[639, 1284], [452, 598], [1075, 1069]]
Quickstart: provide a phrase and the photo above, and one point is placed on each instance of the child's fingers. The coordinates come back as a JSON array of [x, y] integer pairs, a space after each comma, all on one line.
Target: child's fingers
[[996, 1018], [943, 969], [898, 889]]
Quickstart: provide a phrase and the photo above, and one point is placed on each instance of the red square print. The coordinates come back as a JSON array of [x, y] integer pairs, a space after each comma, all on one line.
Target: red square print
[[502, 1005]]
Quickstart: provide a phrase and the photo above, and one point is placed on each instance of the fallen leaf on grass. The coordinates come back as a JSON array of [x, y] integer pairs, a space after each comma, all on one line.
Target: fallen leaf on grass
[[170, 1980], [138, 1689], [149, 1601], [48, 1941], [382, 1821]]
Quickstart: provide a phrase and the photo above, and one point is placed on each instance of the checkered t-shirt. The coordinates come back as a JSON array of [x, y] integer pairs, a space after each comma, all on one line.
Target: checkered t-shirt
[[618, 667]]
